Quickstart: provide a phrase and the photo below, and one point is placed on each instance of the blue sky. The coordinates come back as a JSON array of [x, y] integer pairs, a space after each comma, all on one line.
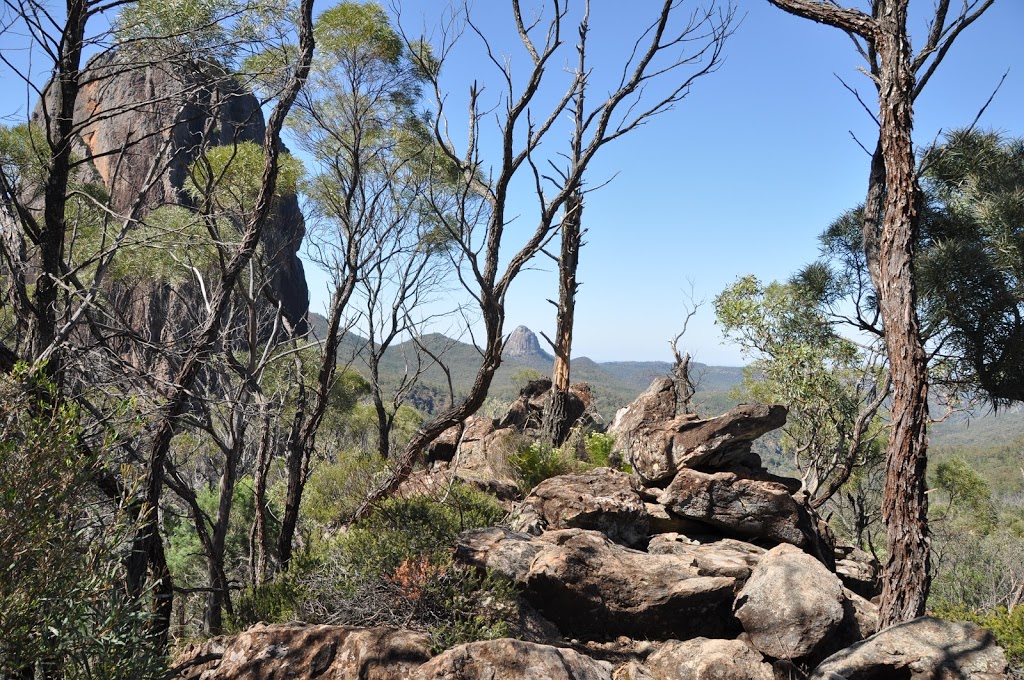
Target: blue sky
[[744, 174], [740, 178]]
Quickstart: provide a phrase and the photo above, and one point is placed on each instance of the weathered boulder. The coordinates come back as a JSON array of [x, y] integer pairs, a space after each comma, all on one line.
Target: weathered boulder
[[483, 461], [657, 449], [705, 659], [724, 557], [791, 604], [657, 404], [512, 660], [746, 508], [591, 587], [304, 652], [603, 500], [922, 648]]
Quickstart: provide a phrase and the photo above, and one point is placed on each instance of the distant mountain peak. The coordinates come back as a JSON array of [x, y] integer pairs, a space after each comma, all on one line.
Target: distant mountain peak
[[523, 343]]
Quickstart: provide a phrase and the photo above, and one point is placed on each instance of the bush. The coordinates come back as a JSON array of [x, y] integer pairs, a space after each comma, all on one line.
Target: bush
[[395, 568], [276, 601], [64, 610], [1007, 626], [535, 462]]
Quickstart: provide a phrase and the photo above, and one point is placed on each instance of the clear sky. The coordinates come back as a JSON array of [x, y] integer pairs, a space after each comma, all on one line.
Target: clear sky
[[740, 178], [744, 174]]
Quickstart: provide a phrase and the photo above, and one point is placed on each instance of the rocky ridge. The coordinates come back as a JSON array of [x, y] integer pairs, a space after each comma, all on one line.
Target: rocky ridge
[[700, 564]]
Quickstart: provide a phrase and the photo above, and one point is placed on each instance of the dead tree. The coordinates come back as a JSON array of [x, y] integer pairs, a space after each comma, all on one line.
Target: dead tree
[[475, 225], [891, 218]]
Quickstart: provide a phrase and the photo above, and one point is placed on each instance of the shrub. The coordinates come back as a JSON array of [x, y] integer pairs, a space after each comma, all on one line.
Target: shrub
[[64, 610], [276, 601], [1006, 625], [395, 568], [535, 462]]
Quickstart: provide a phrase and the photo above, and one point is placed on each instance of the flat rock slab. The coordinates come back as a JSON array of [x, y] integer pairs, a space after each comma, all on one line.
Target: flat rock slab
[[725, 557], [919, 649], [791, 604], [604, 500], [304, 652], [590, 587], [508, 659], [704, 659], [747, 508]]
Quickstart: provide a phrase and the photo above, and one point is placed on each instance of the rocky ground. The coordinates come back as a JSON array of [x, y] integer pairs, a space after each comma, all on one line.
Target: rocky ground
[[700, 564]]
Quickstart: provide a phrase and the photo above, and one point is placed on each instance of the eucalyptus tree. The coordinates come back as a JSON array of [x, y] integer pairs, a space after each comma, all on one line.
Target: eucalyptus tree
[[891, 218], [833, 387], [519, 128]]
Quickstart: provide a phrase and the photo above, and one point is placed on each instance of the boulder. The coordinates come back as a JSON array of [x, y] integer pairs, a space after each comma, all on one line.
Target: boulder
[[603, 500], [304, 652], [657, 404], [859, 571], [593, 588], [922, 648], [724, 557], [512, 660], [748, 508], [704, 659], [658, 449], [791, 604]]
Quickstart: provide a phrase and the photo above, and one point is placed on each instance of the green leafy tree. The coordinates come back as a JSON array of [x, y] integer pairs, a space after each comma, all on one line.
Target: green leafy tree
[[833, 388], [64, 614]]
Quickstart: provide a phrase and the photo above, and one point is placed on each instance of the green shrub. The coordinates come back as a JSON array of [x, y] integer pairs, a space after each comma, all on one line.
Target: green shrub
[[276, 601], [395, 568], [535, 462], [1007, 626]]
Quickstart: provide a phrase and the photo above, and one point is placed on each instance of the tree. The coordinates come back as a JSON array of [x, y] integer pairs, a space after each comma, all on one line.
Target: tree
[[970, 265], [475, 225], [833, 388], [891, 219]]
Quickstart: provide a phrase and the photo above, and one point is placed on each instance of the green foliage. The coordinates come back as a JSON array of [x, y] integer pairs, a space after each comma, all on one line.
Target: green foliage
[[537, 461], [202, 33], [418, 527], [599, 449], [801, 362], [230, 177], [363, 29], [276, 601], [64, 610], [395, 568], [1006, 625], [335, 490]]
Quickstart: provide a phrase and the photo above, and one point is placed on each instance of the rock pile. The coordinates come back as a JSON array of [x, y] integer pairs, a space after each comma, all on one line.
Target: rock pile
[[700, 564]]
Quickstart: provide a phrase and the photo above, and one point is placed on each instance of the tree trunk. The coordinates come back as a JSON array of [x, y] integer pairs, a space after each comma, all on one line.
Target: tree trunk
[[259, 541], [556, 424], [904, 504]]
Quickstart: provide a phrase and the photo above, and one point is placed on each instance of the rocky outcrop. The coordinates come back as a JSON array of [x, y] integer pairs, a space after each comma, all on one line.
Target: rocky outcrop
[[603, 500], [131, 116], [512, 660], [523, 342], [589, 586], [743, 507], [305, 652], [658, 450], [922, 648], [714, 573]]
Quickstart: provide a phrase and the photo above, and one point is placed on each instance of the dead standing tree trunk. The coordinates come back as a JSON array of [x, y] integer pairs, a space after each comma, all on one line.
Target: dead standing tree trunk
[[893, 196], [556, 413]]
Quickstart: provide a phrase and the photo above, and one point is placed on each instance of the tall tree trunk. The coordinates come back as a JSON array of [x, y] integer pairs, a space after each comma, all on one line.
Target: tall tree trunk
[[259, 540], [556, 414], [904, 503]]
